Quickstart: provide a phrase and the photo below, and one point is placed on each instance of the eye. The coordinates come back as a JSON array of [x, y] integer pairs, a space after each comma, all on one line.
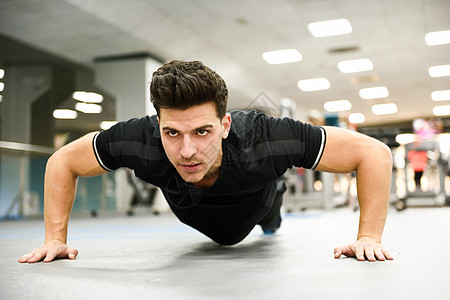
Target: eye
[[172, 133], [202, 132]]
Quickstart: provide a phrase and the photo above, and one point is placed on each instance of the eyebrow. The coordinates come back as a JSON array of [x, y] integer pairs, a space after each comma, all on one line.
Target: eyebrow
[[167, 128]]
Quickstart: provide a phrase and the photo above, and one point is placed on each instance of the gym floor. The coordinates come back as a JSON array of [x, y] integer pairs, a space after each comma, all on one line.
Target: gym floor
[[157, 257]]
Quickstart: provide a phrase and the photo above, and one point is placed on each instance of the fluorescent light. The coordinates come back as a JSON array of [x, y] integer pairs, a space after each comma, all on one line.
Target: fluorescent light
[[88, 108], [315, 84], [356, 118], [384, 109], [329, 28], [107, 124], [405, 138], [440, 95], [282, 56], [373, 93], [64, 114], [437, 38], [356, 65], [441, 110], [339, 105], [2, 73], [88, 97], [2, 86], [439, 71]]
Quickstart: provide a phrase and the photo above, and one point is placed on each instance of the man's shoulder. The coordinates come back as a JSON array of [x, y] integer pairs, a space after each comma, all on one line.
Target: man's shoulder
[[244, 122]]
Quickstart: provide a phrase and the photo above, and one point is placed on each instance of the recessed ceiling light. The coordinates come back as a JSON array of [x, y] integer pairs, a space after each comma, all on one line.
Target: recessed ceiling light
[[2, 86], [384, 109], [440, 95], [88, 97], [439, 71], [437, 38], [329, 28], [356, 118], [315, 84], [442, 110], [355, 65], [373, 93], [339, 105], [65, 114], [107, 124], [88, 108], [2, 73], [282, 56]]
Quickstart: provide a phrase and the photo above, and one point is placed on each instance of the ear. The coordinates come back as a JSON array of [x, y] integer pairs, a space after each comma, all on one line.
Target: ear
[[226, 125]]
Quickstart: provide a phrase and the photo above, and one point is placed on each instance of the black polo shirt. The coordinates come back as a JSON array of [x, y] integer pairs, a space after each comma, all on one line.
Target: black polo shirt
[[257, 151]]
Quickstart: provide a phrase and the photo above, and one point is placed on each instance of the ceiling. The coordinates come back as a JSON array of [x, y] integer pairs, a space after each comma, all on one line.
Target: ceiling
[[230, 37]]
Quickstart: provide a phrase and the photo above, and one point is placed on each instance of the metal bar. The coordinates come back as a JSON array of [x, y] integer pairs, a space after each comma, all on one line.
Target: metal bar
[[26, 147]]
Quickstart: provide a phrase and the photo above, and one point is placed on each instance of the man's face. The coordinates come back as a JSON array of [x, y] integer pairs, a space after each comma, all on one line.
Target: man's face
[[192, 139]]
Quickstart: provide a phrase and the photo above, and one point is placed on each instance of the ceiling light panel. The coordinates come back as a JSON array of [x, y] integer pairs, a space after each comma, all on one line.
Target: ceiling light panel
[[88, 97], [105, 125], [282, 56], [2, 73], [315, 84], [356, 118], [440, 95], [437, 38], [339, 105], [355, 65], [88, 108], [66, 114], [374, 93], [441, 110], [384, 109], [329, 28], [439, 71]]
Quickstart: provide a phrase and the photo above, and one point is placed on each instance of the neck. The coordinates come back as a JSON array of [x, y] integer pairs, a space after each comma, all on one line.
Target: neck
[[207, 181]]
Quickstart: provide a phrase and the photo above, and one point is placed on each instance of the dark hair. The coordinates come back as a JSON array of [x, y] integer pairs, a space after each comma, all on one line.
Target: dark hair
[[183, 84]]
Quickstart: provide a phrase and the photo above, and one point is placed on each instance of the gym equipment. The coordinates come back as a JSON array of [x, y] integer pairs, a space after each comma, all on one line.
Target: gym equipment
[[433, 193], [143, 193], [301, 193]]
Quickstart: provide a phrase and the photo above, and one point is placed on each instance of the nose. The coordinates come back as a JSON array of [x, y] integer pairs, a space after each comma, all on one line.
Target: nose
[[188, 147]]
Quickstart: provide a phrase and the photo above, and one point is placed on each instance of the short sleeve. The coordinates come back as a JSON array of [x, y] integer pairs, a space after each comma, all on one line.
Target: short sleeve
[[295, 143], [121, 145], [270, 146]]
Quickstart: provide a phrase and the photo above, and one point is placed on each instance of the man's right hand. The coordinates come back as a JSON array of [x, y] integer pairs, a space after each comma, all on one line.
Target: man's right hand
[[48, 252]]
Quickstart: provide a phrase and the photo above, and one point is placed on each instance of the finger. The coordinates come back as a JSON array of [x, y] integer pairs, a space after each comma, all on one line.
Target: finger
[[51, 254], [368, 250], [344, 250], [25, 258], [37, 256], [73, 253], [337, 253], [359, 253], [387, 254], [379, 254]]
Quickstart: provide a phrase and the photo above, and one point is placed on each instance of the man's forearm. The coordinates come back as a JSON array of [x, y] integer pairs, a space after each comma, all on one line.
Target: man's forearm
[[60, 187], [373, 184]]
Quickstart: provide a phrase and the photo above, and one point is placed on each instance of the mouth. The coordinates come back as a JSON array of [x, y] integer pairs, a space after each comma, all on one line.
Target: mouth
[[190, 167]]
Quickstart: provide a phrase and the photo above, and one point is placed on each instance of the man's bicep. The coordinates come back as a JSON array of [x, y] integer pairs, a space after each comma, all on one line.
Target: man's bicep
[[79, 157], [343, 151]]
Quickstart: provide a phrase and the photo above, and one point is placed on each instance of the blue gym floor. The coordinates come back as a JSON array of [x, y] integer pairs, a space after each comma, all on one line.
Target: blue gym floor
[[157, 257]]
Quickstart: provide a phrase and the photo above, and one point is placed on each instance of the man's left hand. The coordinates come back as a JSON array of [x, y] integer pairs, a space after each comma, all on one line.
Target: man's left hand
[[362, 249]]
